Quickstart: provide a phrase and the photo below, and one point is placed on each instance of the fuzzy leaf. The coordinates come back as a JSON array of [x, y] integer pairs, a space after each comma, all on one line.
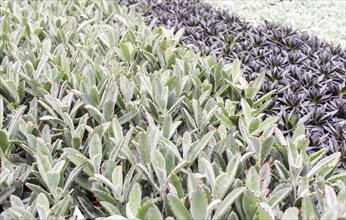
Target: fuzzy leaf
[[117, 180], [78, 159], [199, 146], [110, 208], [225, 205], [307, 209], [178, 208], [246, 111], [252, 180], [198, 205], [278, 196], [291, 213], [249, 202], [265, 212], [154, 213], [95, 151], [135, 198], [265, 149], [42, 205], [329, 161], [4, 145]]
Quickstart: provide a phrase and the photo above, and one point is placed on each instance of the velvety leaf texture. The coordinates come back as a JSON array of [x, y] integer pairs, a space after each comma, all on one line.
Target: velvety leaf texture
[[308, 73], [107, 114]]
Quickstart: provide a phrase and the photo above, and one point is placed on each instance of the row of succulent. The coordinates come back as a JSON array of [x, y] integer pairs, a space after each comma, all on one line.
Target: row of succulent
[[308, 74], [102, 117]]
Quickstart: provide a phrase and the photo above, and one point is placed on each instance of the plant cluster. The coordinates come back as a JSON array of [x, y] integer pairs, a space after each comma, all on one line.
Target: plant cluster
[[325, 19], [308, 74], [104, 117]]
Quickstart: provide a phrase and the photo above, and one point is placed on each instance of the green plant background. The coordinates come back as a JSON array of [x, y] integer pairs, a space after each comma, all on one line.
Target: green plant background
[[104, 117]]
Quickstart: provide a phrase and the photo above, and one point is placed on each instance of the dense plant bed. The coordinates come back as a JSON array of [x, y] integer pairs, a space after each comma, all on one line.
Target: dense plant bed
[[102, 116], [325, 19], [308, 74]]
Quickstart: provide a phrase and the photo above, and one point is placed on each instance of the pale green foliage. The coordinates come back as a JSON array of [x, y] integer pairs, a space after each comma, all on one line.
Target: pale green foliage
[[323, 18], [101, 116]]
